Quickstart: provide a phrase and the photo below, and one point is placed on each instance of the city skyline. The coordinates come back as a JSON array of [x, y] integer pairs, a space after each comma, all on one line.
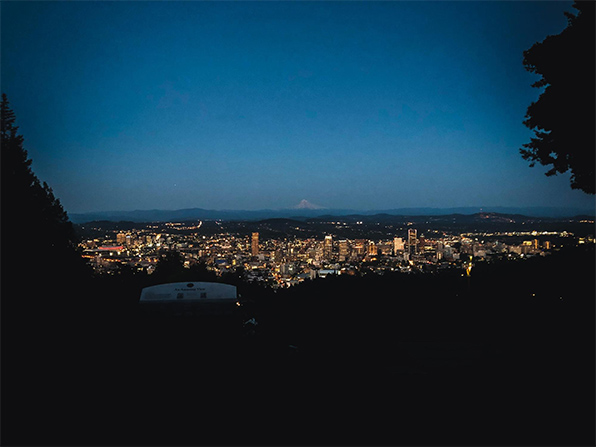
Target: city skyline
[[249, 106], [310, 251]]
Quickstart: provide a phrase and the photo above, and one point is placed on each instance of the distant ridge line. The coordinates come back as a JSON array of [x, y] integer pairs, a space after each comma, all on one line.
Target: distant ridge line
[[156, 215]]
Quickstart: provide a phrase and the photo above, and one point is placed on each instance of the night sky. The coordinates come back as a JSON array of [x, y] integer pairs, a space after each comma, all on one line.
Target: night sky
[[242, 105]]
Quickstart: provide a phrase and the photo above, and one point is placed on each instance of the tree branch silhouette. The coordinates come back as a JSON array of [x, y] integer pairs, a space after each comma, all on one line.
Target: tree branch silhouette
[[563, 116]]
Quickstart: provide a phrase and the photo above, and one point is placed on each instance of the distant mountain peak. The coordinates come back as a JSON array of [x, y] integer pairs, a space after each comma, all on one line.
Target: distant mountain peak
[[306, 205]]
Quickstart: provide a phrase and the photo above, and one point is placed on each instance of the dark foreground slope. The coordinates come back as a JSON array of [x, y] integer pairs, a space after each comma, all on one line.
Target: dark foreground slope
[[505, 357]]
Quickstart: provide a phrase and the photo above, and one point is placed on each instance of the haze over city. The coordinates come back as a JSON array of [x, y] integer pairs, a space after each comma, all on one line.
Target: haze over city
[[242, 105]]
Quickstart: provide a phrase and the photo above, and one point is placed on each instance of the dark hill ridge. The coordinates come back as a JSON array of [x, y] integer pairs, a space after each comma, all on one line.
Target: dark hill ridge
[[204, 214], [447, 218], [280, 221]]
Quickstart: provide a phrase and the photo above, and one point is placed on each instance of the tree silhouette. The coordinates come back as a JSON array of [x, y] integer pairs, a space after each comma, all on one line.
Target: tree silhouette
[[44, 283], [38, 240], [563, 116], [169, 267]]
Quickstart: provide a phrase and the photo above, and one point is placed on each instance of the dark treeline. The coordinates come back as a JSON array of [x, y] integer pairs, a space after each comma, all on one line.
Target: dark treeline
[[339, 360]]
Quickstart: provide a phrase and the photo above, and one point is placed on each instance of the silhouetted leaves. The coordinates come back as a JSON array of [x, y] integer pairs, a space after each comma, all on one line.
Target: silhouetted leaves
[[563, 116]]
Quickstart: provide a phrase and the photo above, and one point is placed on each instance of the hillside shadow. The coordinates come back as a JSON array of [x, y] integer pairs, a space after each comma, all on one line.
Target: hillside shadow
[[394, 359]]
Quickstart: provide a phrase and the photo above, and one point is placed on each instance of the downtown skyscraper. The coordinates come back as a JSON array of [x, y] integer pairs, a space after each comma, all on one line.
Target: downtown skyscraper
[[254, 246], [412, 242]]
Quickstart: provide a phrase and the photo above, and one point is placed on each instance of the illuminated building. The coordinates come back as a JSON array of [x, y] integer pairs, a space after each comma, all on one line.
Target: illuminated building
[[111, 249], [372, 249], [343, 250], [412, 242], [120, 238], [360, 246], [255, 244], [398, 245], [328, 246]]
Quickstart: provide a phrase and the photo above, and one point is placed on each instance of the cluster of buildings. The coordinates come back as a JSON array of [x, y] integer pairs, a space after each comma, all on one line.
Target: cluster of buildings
[[291, 260]]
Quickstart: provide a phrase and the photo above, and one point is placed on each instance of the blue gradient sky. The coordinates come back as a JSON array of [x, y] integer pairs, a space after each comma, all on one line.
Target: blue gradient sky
[[244, 105]]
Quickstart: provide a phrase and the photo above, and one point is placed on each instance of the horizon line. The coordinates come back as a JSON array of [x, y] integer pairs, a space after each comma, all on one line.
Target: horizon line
[[324, 209]]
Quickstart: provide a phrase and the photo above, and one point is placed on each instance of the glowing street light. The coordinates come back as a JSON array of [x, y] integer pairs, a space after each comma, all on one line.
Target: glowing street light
[[469, 267]]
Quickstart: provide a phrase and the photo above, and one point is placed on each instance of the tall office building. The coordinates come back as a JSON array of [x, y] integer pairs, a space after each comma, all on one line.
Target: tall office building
[[360, 246], [398, 245], [412, 242], [328, 246], [343, 250], [372, 249], [255, 244], [120, 238]]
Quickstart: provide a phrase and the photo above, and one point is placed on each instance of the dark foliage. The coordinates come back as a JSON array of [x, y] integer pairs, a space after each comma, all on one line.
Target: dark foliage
[[43, 293], [504, 357], [37, 236], [563, 116], [170, 265]]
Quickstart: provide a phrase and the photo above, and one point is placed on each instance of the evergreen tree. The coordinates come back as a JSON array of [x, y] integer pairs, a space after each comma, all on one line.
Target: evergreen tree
[[44, 330], [38, 240], [169, 266], [563, 116]]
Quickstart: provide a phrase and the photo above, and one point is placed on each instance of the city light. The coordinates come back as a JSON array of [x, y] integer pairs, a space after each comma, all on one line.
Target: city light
[[288, 260]]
